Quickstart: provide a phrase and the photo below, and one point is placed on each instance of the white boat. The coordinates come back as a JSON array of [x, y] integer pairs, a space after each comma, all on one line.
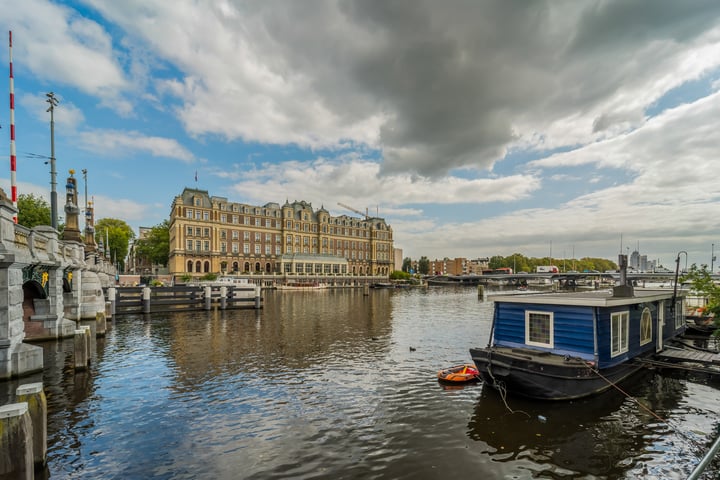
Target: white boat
[[303, 286]]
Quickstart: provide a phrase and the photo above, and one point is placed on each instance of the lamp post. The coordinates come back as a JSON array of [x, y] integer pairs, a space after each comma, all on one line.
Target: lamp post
[[84, 172], [53, 180]]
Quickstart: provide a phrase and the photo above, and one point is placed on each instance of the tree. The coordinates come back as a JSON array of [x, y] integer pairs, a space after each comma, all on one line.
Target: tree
[[407, 264], [32, 210], [117, 234], [423, 265], [156, 245], [703, 285], [400, 275]]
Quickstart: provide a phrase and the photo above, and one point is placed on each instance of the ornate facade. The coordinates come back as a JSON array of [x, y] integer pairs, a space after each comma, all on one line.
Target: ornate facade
[[213, 235]]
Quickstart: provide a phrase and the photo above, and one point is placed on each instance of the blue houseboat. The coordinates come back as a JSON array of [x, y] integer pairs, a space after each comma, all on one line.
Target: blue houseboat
[[561, 346]]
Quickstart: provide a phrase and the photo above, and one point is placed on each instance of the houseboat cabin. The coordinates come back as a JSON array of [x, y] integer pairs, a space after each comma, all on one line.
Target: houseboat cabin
[[562, 346]]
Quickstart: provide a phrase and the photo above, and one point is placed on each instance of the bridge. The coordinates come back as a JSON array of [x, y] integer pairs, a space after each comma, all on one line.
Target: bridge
[[50, 285], [603, 278]]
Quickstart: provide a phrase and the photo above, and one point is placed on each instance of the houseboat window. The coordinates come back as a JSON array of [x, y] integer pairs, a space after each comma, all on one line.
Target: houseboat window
[[645, 327], [539, 329], [679, 317], [619, 333]]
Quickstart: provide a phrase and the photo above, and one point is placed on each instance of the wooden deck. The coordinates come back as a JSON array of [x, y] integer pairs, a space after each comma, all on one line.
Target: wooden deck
[[688, 355]]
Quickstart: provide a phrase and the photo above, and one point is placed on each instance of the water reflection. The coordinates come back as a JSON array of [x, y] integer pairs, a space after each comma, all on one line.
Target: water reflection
[[614, 435], [338, 384]]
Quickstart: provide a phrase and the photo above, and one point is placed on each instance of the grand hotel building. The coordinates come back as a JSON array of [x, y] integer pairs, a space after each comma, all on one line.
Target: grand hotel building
[[213, 235]]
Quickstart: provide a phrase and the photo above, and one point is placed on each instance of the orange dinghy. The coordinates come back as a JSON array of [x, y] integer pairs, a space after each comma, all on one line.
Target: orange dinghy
[[459, 374]]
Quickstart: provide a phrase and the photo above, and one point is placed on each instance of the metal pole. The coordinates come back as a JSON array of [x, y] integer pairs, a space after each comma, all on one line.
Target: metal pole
[[13, 158], [53, 180], [695, 475], [712, 258]]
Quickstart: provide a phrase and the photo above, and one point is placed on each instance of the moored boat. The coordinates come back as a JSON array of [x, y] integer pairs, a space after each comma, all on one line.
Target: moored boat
[[562, 346], [303, 286], [459, 374]]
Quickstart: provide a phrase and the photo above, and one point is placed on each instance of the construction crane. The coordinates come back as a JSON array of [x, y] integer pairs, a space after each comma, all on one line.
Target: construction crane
[[365, 215]]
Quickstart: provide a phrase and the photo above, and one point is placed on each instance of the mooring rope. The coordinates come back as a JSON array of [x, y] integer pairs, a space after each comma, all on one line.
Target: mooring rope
[[693, 442], [502, 390]]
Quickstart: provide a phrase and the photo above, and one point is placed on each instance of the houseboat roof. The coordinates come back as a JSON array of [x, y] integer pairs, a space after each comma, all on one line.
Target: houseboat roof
[[595, 298]]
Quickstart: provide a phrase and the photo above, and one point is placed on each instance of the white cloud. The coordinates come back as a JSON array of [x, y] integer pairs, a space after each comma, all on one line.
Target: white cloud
[[119, 143], [59, 46], [360, 182], [436, 87]]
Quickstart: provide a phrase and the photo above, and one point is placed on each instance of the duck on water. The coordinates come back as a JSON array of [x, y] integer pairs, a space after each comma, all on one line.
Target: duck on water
[[562, 346]]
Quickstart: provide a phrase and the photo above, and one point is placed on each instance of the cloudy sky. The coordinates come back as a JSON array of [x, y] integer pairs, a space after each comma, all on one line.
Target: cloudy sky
[[476, 128]]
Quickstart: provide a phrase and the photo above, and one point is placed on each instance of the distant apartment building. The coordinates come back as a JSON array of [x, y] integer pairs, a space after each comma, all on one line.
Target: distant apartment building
[[476, 266], [210, 234], [447, 266], [398, 255]]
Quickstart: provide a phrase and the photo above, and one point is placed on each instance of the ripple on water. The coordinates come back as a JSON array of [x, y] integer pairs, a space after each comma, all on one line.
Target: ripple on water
[[338, 384]]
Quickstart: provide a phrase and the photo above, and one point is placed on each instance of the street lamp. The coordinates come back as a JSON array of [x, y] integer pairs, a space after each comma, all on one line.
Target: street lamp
[[53, 180], [84, 172]]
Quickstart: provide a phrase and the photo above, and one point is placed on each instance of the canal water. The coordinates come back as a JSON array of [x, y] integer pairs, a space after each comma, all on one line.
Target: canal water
[[337, 384]]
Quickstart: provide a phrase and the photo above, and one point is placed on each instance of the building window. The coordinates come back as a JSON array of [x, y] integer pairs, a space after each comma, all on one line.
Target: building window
[[206, 215], [539, 329], [189, 213], [278, 250], [246, 220], [235, 248], [198, 245], [189, 231], [258, 236], [246, 248], [277, 238], [268, 249], [189, 245], [257, 248], [619, 333], [206, 246], [206, 232], [197, 231], [223, 218], [268, 237], [223, 247]]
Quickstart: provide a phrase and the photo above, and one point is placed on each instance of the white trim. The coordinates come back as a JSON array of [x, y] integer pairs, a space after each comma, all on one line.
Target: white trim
[[551, 318]]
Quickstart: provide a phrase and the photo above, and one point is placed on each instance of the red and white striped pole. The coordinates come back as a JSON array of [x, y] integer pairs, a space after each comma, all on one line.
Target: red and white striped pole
[[13, 159]]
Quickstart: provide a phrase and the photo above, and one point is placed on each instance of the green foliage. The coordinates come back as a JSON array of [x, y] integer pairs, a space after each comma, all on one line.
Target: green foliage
[[400, 275], [703, 285], [185, 277], [209, 276], [407, 264], [118, 234], [156, 246], [520, 263], [423, 265], [33, 211]]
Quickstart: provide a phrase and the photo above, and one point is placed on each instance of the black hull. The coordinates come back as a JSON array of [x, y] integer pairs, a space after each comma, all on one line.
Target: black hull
[[544, 376]]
